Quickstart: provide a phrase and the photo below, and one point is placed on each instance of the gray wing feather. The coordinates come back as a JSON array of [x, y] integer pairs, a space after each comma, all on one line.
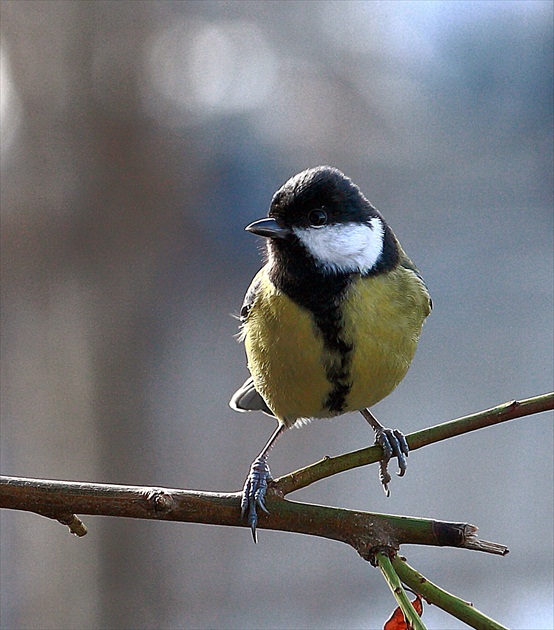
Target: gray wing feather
[[247, 398]]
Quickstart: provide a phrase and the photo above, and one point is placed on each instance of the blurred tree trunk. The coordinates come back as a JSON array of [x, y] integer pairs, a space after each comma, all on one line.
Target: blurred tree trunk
[[85, 215]]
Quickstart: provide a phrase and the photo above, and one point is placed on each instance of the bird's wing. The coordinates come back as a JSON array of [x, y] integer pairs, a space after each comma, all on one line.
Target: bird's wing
[[247, 398], [408, 264], [250, 297]]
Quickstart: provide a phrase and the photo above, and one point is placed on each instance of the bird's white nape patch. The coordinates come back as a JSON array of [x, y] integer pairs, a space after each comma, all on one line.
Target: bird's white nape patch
[[345, 247]]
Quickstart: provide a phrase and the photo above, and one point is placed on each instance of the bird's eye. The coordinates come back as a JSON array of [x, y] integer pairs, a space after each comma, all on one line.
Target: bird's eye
[[318, 217]]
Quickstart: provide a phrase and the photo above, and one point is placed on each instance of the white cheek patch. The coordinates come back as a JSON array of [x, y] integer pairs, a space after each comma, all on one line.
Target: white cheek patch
[[345, 247]]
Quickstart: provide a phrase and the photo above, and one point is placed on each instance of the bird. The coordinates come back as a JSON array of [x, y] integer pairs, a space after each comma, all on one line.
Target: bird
[[331, 322]]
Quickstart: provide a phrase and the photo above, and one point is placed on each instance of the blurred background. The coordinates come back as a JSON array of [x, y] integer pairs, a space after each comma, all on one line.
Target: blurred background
[[137, 140]]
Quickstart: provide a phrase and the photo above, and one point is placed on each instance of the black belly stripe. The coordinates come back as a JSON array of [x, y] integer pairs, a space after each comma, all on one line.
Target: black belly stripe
[[321, 293], [338, 367]]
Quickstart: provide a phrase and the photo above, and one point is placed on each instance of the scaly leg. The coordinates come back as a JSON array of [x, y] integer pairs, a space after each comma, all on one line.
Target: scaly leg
[[255, 486], [393, 444]]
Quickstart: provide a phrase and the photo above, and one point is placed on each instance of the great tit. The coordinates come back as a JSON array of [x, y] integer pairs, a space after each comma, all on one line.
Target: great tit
[[331, 321]]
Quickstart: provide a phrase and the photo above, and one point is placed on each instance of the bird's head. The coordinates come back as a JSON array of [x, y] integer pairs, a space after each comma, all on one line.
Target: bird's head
[[322, 214]]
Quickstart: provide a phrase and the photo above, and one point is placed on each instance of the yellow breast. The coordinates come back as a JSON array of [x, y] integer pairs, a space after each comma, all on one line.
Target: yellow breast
[[284, 353], [382, 318]]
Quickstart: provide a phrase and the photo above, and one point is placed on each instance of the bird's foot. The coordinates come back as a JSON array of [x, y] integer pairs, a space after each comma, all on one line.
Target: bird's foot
[[254, 491], [394, 444]]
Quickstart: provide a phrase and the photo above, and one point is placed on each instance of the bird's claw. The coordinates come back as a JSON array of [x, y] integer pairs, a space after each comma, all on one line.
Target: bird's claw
[[254, 491], [394, 444]]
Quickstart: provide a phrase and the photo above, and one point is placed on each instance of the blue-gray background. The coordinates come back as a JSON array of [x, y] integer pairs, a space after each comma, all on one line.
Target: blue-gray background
[[137, 141]]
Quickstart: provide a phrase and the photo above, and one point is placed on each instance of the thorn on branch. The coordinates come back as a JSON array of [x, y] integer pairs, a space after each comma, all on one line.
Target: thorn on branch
[[75, 524]]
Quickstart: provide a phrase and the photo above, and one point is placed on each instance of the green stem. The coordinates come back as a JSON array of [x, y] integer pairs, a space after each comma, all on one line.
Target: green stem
[[391, 577], [332, 465], [464, 611]]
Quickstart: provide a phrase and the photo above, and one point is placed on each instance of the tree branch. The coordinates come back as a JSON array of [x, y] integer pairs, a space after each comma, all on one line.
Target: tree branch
[[361, 530], [332, 465], [376, 537], [62, 500]]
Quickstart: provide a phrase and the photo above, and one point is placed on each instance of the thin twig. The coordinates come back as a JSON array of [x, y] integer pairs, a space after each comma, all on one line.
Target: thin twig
[[391, 578], [464, 611], [332, 465]]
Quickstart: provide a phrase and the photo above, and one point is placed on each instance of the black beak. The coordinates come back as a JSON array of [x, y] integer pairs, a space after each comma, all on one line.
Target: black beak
[[268, 228]]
